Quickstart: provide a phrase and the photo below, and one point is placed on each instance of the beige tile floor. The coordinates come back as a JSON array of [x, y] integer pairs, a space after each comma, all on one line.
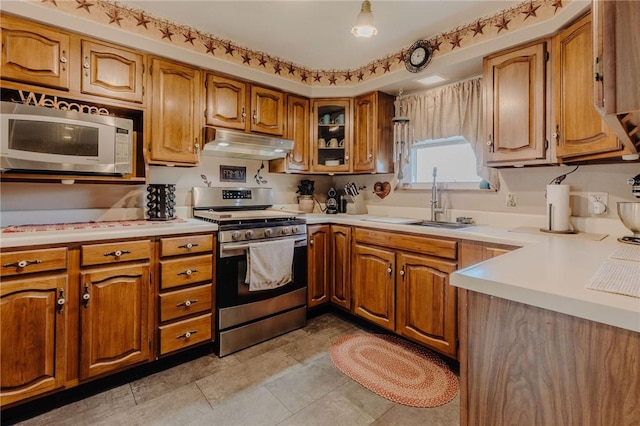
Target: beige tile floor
[[289, 380]]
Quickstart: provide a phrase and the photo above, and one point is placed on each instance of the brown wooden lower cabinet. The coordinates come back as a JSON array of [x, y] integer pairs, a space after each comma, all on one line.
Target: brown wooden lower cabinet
[[523, 365], [426, 302], [318, 261], [374, 285], [341, 266], [114, 319], [398, 287], [34, 332], [72, 313]]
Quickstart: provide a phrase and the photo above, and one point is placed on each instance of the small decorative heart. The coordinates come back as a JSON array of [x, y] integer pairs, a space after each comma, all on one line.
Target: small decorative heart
[[382, 189]]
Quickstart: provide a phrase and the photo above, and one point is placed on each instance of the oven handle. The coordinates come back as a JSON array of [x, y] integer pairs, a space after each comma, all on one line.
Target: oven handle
[[232, 247]]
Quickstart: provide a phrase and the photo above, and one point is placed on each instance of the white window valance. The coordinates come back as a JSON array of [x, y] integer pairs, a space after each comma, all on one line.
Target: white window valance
[[444, 112]]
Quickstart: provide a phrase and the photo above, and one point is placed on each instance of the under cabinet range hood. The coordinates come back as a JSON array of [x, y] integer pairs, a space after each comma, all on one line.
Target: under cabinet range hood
[[229, 143]]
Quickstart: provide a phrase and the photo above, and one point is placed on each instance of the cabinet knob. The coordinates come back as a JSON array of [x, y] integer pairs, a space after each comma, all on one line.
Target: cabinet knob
[[86, 66], [61, 300], [196, 146], [390, 270], [86, 296], [63, 60], [188, 246], [187, 334], [490, 144], [243, 115], [255, 116], [311, 242], [22, 263], [402, 272], [188, 272], [117, 253], [187, 303], [346, 157]]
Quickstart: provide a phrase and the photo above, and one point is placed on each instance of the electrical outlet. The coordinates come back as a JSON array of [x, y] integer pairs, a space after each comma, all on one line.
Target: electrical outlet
[[512, 200], [598, 202]]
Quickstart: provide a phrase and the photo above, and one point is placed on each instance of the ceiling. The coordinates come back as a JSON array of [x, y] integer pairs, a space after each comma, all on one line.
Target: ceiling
[[316, 34]]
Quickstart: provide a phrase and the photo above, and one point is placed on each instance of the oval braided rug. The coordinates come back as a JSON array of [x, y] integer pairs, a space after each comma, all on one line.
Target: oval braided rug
[[395, 369]]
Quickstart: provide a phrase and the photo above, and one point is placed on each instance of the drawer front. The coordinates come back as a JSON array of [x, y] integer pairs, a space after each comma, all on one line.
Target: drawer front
[[99, 254], [185, 333], [186, 245], [179, 272], [28, 261], [185, 302], [414, 243]]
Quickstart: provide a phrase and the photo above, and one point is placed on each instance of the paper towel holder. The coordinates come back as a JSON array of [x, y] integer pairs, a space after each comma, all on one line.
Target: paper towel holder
[[549, 230]]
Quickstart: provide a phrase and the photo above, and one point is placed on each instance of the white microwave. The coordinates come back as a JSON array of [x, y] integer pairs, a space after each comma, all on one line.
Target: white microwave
[[40, 139]]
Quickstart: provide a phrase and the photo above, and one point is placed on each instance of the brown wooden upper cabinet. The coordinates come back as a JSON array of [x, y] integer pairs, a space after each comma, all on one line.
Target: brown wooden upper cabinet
[[373, 133], [111, 71], [616, 36], [35, 54], [515, 109], [331, 138], [175, 122], [298, 130], [578, 126], [234, 104], [44, 56]]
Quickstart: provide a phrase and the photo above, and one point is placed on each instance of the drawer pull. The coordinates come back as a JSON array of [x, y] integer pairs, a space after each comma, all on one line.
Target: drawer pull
[[188, 246], [86, 296], [117, 253], [187, 303], [186, 335], [188, 272], [61, 301], [22, 263]]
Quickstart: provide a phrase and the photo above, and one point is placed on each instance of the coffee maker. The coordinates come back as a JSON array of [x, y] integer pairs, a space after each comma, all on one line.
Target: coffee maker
[[332, 201]]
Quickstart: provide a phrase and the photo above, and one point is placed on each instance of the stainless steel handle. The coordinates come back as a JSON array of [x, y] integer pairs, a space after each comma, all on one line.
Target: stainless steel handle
[[86, 66], [187, 303], [188, 272], [186, 335], [117, 253], [22, 263], [188, 245], [246, 246]]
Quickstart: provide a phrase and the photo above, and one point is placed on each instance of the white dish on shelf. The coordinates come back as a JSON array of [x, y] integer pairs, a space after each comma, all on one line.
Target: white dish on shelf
[[332, 163]]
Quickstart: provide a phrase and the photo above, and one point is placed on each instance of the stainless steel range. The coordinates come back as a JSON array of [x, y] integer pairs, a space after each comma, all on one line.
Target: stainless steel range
[[246, 315]]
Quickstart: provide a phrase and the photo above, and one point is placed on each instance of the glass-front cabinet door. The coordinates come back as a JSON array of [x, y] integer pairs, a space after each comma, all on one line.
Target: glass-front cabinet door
[[332, 135]]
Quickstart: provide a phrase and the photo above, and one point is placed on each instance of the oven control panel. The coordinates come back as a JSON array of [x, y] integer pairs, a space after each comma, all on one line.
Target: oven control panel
[[236, 194], [292, 228]]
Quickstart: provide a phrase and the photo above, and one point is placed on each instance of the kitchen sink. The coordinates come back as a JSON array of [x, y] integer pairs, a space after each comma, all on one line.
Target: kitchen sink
[[446, 225]]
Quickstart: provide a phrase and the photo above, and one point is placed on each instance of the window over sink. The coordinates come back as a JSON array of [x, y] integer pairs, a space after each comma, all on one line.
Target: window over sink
[[455, 160]]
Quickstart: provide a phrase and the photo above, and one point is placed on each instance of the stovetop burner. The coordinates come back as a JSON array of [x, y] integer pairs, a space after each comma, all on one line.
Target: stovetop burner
[[630, 240]]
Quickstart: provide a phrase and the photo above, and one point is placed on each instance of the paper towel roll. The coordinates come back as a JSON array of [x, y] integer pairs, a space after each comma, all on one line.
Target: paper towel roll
[[558, 208]]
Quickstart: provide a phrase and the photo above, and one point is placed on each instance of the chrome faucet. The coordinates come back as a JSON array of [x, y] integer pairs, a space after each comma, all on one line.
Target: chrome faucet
[[435, 210]]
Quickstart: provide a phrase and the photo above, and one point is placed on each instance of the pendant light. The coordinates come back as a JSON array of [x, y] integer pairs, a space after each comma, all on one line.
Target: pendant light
[[364, 24]]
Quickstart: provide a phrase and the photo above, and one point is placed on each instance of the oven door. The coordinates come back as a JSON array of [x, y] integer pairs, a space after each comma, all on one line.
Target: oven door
[[231, 270]]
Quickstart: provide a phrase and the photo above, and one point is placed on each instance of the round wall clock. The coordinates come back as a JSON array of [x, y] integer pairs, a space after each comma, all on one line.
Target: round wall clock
[[418, 56]]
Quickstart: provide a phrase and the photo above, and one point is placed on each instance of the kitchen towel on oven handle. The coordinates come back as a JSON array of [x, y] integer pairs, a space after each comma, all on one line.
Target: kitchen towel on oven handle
[[269, 264]]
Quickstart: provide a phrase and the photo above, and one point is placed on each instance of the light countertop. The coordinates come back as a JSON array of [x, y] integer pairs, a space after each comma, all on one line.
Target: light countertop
[[22, 239], [548, 271]]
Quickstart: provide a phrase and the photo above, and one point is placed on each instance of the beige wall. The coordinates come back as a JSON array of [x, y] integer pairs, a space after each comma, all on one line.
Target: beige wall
[[528, 183]]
